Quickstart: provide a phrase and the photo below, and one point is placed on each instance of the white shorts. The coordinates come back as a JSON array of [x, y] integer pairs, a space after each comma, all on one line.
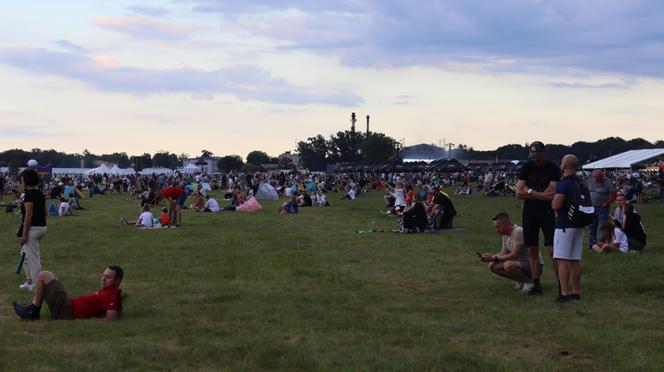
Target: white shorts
[[568, 243]]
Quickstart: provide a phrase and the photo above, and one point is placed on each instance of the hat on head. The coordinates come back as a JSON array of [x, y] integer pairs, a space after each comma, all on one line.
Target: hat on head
[[536, 146]]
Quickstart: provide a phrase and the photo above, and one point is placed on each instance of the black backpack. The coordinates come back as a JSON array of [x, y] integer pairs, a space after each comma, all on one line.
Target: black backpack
[[581, 212]]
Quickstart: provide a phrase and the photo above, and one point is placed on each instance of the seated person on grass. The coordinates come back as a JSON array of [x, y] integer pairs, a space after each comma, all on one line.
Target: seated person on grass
[[441, 211], [65, 208], [612, 239], [633, 228], [165, 219], [144, 220], [513, 261], [414, 217], [105, 303], [290, 207], [211, 205]]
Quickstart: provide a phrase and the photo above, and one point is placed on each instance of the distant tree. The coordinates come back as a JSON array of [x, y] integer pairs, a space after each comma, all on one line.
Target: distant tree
[[251, 167], [313, 153], [230, 163], [165, 159], [345, 146], [285, 162], [377, 147], [258, 158], [206, 154], [147, 160]]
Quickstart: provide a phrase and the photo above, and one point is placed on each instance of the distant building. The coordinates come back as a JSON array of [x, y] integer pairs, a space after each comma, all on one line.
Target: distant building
[[422, 152], [205, 164]]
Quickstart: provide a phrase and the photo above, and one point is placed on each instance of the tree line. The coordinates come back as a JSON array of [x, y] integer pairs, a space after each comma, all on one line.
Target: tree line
[[317, 152]]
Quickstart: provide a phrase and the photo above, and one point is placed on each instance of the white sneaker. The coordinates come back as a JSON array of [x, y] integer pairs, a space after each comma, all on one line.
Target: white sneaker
[[28, 286], [527, 287], [518, 286]]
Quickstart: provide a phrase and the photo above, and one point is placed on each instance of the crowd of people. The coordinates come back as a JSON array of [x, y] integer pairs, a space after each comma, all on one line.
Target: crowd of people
[[549, 192]]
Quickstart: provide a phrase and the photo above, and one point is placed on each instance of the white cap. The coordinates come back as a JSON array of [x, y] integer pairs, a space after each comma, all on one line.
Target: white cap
[[32, 163]]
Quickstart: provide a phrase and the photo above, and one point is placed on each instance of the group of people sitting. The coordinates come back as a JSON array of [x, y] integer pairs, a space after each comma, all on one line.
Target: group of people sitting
[[428, 210]]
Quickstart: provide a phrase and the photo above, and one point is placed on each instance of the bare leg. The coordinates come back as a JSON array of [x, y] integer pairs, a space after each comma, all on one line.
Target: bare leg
[[533, 253], [555, 263], [576, 276], [563, 276], [178, 214], [43, 279]]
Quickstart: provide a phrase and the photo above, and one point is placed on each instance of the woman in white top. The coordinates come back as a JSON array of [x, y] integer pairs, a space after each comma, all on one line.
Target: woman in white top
[[146, 219], [399, 196], [613, 239]]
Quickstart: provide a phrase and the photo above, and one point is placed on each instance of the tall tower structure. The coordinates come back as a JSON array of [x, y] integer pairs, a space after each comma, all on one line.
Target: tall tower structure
[[367, 125], [353, 120]]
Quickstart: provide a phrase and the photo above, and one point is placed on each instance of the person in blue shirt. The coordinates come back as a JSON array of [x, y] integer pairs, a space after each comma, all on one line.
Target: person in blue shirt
[[567, 240]]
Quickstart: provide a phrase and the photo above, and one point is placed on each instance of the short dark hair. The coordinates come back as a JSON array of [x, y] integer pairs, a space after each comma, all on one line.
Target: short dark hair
[[30, 177], [119, 273], [501, 216]]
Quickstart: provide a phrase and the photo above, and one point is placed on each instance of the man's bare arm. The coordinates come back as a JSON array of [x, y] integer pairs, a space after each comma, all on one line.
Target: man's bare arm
[[111, 314]]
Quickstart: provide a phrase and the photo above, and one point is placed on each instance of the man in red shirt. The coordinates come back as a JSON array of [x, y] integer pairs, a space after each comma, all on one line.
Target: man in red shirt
[[106, 302], [176, 197]]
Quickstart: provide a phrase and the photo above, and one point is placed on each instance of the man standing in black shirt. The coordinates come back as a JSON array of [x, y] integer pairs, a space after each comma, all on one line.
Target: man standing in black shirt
[[536, 186]]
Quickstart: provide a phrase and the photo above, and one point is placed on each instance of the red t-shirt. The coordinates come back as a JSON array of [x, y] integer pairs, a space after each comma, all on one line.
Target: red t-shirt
[[165, 220], [96, 304], [172, 192]]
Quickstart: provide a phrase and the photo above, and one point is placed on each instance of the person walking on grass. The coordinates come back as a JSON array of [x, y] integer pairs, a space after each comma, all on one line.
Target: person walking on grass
[[33, 226], [513, 261], [536, 185], [567, 240], [105, 303], [176, 197], [602, 195]]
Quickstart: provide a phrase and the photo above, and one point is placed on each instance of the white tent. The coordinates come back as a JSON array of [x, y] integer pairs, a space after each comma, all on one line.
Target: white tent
[[191, 168], [626, 159], [115, 170], [102, 169], [266, 192], [149, 171]]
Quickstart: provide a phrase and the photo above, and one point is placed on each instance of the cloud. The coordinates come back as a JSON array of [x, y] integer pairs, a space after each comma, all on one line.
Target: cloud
[[68, 45], [577, 85], [144, 28], [148, 11], [564, 36], [104, 73], [21, 131]]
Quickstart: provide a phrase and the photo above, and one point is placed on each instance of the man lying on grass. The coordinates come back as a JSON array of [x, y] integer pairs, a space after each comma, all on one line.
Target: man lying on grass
[[105, 303]]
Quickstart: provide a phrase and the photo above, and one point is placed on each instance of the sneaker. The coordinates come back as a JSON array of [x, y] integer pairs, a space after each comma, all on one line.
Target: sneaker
[[575, 296], [562, 299], [536, 289], [30, 312], [28, 286], [518, 286], [527, 287]]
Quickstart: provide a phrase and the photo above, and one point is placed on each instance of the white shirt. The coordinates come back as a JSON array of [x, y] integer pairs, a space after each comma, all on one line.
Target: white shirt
[[351, 194], [145, 219], [212, 205], [399, 197], [619, 237], [321, 199], [64, 208]]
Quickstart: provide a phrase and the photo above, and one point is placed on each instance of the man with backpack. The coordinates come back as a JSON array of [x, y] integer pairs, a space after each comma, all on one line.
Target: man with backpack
[[574, 211]]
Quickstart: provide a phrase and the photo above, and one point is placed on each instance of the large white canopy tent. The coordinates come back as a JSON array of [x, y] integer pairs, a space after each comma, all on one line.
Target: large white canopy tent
[[149, 171], [191, 168], [626, 160]]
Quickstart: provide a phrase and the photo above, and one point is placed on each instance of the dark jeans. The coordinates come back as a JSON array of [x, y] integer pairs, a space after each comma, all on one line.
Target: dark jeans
[[601, 214]]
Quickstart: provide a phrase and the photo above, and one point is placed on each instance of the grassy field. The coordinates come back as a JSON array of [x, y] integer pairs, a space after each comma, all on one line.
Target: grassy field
[[240, 291]]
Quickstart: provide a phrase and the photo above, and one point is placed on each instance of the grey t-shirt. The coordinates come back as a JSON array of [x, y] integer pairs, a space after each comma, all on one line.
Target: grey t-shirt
[[599, 192]]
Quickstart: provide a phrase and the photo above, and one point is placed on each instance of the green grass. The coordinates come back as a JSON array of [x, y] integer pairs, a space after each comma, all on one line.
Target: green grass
[[241, 291]]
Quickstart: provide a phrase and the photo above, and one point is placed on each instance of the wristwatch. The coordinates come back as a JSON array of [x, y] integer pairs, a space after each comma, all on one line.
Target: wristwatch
[[530, 191]]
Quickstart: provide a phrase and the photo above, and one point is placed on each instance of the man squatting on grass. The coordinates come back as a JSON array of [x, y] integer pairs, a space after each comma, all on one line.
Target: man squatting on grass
[[513, 261], [107, 302], [536, 185], [567, 240]]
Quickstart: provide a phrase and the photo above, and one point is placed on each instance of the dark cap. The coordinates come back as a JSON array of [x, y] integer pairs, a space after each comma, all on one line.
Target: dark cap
[[536, 146]]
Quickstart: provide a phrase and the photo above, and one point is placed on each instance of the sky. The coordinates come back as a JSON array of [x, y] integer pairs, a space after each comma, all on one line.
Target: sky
[[233, 76]]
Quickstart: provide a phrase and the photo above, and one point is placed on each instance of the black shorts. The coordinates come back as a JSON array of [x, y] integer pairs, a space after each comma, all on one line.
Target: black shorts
[[535, 220]]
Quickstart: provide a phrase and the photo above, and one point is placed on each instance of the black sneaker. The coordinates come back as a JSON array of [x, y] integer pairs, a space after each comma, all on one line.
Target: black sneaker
[[575, 296], [562, 299], [536, 289], [26, 312]]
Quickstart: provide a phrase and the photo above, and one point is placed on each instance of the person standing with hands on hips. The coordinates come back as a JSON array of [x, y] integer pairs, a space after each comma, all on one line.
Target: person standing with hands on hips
[[536, 186]]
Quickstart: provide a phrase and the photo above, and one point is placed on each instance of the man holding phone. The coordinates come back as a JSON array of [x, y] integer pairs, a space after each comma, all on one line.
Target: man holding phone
[[513, 261]]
